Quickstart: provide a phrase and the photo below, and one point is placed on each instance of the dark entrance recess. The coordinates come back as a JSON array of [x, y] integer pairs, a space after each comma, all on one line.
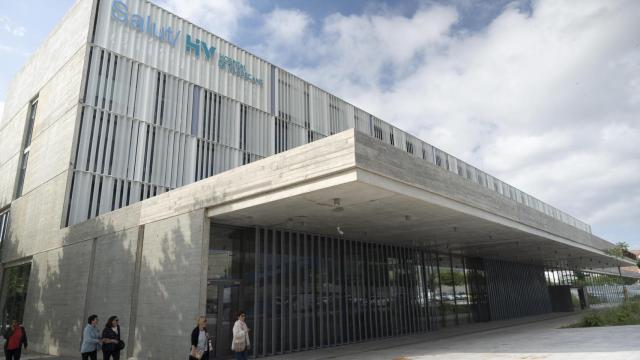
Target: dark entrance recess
[[230, 282], [561, 298], [222, 303], [304, 291], [315, 291]]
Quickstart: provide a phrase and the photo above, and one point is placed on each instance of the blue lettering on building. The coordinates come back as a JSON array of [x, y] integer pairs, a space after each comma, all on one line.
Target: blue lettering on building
[[238, 69], [196, 47], [120, 12]]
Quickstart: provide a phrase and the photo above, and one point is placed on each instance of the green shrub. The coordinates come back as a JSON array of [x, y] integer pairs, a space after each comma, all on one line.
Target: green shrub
[[625, 314], [592, 319], [575, 301]]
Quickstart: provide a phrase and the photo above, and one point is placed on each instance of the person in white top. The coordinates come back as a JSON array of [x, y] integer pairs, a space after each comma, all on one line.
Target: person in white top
[[240, 343]]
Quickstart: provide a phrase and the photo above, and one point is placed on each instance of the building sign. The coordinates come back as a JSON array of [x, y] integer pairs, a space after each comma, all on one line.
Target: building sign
[[198, 48]]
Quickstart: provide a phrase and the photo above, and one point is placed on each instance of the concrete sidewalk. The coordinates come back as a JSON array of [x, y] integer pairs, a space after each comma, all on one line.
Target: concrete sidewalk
[[538, 337]]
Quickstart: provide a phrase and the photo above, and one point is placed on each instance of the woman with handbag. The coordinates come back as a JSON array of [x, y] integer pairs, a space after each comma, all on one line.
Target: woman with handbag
[[240, 344], [111, 336], [200, 340]]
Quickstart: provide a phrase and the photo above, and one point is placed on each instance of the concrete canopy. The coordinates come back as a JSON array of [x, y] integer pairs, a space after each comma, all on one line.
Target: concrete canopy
[[386, 195]]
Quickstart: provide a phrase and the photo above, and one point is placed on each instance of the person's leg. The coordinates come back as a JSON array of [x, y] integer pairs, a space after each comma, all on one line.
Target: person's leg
[[93, 355], [116, 355], [17, 353], [13, 354]]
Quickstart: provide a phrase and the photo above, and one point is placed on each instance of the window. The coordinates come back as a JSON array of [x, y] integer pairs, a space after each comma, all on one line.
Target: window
[[282, 135], [14, 291], [27, 146], [32, 117], [409, 147], [4, 225], [377, 132]]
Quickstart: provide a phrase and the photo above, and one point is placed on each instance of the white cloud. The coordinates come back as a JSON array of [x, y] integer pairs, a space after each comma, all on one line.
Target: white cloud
[[547, 100], [364, 48], [286, 25], [220, 17], [7, 25]]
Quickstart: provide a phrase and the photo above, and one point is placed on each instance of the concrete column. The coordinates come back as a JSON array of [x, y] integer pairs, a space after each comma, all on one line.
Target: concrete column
[[170, 286]]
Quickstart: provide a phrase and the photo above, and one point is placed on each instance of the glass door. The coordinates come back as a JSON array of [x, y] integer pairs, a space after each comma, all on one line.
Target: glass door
[[223, 303], [231, 279]]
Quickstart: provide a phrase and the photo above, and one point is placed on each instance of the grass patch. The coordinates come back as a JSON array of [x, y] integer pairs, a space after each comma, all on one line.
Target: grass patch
[[625, 314]]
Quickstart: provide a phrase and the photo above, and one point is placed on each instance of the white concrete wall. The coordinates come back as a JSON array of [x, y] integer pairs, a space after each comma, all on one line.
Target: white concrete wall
[[39, 211], [82, 270], [170, 289], [112, 279], [67, 38], [54, 72], [55, 298]]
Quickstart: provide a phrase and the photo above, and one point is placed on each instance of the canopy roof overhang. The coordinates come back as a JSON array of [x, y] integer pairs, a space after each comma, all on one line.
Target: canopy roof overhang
[[390, 197]]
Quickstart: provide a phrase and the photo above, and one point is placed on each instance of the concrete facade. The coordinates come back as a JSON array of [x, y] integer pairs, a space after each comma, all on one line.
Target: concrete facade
[[147, 260], [140, 261]]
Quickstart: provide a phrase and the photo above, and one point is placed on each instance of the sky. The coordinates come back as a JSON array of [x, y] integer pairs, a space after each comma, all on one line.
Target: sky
[[545, 95]]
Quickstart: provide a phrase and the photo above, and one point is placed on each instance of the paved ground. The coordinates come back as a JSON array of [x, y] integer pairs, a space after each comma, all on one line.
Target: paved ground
[[535, 338]]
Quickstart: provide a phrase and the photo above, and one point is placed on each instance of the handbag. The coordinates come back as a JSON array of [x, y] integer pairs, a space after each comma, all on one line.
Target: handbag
[[239, 344], [120, 345], [196, 354]]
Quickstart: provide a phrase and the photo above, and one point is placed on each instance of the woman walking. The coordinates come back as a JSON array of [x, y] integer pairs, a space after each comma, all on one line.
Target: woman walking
[[200, 340], [240, 344], [15, 338], [111, 337], [91, 340]]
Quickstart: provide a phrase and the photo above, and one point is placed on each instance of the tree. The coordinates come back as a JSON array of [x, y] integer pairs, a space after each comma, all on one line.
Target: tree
[[457, 279], [619, 249]]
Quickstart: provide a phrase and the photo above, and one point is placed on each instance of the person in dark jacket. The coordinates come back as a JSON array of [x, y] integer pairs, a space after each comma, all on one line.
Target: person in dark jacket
[[111, 337], [200, 340], [15, 337]]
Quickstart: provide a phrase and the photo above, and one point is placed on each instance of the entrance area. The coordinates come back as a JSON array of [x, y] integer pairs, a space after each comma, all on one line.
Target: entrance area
[[315, 291], [222, 303], [229, 285], [303, 291]]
